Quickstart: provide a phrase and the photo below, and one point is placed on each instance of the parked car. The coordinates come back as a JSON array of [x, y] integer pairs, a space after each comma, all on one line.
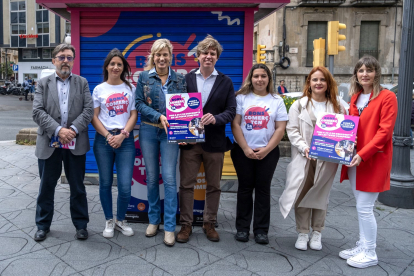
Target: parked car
[[299, 94], [395, 89]]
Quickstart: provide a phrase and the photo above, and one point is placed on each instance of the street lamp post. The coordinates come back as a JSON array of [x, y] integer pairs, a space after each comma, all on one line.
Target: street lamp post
[[401, 193]]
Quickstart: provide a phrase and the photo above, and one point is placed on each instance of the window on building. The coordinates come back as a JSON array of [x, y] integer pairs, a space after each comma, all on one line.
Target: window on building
[[30, 53], [42, 23], [67, 27], [46, 53], [368, 41], [316, 29], [17, 23]]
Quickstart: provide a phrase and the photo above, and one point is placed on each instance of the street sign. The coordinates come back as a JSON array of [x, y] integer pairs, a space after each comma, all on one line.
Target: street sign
[[15, 67]]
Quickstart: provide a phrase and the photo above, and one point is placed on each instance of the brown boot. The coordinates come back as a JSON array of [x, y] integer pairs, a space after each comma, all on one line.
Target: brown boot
[[210, 231], [184, 234]]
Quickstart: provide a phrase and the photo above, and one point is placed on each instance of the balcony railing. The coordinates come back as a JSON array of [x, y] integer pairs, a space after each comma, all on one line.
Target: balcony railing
[[374, 53], [370, 3]]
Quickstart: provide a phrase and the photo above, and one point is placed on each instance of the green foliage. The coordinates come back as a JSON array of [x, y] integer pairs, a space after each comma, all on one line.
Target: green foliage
[[288, 103], [7, 66]]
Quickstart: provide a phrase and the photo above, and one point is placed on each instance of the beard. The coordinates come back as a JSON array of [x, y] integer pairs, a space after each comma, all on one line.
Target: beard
[[64, 71]]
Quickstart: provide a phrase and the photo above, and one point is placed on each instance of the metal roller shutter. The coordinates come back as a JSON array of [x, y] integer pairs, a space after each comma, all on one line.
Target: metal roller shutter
[[134, 32]]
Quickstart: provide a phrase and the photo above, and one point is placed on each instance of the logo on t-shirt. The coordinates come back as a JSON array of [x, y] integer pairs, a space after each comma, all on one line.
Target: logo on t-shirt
[[256, 118], [117, 104]]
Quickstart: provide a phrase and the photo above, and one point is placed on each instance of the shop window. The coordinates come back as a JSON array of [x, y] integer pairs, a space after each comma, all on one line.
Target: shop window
[[46, 53], [17, 23], [42, 22], [67, 28], [30, 54], [316, 29], [368, 41]]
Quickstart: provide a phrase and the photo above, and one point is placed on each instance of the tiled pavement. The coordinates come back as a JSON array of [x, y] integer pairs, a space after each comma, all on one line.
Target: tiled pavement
[[62, 254]]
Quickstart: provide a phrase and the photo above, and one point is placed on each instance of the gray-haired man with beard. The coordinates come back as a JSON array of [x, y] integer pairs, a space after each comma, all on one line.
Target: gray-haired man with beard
[[63, 109]]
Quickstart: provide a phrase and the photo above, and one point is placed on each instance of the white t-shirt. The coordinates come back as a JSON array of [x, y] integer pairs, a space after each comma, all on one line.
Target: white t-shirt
[[116, 103], [259, 114], [318, 108], [362, 101]]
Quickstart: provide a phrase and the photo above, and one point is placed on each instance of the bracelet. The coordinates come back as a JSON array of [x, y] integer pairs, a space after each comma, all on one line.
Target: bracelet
[[106, 136], [126, 133]]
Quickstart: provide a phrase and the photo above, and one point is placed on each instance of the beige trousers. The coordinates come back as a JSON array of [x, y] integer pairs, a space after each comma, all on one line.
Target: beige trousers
[[306, 217]]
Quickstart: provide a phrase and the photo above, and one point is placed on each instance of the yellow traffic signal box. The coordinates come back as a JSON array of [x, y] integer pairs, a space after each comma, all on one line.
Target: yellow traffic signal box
[[334, 37], [260, 58], [318, 52]]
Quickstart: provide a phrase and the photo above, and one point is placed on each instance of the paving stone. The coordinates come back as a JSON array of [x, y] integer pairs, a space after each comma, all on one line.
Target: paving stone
[[181, 259], [15, 203], [40, 262], [222, 268], [16, 243], [26, 218], [82, 255], [128, 265], [6, 226]]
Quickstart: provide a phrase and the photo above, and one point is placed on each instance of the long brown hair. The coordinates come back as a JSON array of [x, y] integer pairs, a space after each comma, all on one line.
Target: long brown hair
[[247, 86], [331, 92], [370, 63], [125, 72]]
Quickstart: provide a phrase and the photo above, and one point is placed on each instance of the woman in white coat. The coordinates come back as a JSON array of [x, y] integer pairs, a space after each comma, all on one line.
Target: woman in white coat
[[308, 182]]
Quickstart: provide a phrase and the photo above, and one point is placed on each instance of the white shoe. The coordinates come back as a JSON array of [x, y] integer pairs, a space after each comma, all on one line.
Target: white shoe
[[315, 241], [124, 228], [151, 230], [169, 238], [366, 258], [109, 229], [348, 253], [302, 241]]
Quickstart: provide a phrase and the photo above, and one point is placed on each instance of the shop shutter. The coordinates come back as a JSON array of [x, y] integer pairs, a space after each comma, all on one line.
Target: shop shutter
[[133, 33]]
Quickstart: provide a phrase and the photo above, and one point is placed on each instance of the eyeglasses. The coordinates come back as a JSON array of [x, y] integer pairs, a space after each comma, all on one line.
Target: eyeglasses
[[62, 58]]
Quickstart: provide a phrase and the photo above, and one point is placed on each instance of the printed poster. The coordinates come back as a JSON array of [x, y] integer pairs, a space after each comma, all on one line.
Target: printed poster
[[184, 112], [55, 143], [334, 138]]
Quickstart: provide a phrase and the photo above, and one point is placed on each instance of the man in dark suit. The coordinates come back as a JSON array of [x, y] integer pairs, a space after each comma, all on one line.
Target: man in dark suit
[[62, 108], [219, 108]]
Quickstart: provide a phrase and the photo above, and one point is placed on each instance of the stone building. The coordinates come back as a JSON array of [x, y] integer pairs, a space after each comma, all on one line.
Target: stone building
[[372, 27], [32, 31]]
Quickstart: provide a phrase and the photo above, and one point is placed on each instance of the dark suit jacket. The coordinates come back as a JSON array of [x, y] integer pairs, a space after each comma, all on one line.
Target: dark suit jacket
[[222, 104]]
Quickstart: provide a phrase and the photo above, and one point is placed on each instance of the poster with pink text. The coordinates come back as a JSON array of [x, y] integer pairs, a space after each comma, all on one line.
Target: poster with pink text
[[334, 138], [184, 112]]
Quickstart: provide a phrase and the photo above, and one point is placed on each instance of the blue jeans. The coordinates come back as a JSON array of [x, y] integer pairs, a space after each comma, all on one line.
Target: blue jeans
[[153, 140], [123, 158]]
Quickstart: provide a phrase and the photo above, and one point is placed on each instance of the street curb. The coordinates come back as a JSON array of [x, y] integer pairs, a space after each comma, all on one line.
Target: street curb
[[28, 135]]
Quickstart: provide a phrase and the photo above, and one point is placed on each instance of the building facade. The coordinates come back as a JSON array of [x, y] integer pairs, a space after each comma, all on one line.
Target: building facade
[[372, 27], [33, 31]]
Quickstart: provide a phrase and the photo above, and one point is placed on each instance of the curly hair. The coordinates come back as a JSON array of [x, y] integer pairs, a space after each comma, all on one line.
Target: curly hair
[[331, 92]]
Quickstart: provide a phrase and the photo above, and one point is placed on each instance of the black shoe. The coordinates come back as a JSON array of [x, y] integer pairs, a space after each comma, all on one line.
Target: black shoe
[[40, 235], [261, 238], [242, 236], [81, 234]]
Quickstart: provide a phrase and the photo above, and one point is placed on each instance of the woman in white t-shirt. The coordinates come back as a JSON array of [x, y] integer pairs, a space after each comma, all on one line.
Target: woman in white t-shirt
[[308, 182], [114, 119], [258, 127]]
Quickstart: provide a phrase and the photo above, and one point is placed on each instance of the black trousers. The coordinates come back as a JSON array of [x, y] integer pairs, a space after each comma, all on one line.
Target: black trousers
[[253, 175], [50, 170]]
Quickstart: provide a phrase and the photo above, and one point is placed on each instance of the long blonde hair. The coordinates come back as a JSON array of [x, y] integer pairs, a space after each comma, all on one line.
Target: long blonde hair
[[158, 45], [370, 63]]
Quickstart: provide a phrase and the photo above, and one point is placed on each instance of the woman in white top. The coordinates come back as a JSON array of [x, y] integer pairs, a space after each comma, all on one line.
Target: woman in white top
[[258, 127], [308, 182], [114, 119]]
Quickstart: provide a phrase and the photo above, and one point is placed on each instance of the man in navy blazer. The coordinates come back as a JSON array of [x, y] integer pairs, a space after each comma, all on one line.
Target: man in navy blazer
[[219, 108]]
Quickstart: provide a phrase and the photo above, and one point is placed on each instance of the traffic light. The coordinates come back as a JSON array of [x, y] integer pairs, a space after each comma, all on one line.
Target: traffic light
[[260, 58], [319, 52], [334, 37]]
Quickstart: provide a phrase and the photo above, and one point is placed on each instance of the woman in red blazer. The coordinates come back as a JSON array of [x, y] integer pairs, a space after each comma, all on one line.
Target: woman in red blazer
[[369, 171]]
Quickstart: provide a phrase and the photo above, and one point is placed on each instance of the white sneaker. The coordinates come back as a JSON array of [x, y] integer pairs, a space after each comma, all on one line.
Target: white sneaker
[[152, 230], [124, 228], [302, 241], [109, 229], [366, 258], [315, 241], [348, 253]]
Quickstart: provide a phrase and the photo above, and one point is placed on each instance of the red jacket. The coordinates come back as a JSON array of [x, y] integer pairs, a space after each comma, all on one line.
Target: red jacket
[[375, 129]]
